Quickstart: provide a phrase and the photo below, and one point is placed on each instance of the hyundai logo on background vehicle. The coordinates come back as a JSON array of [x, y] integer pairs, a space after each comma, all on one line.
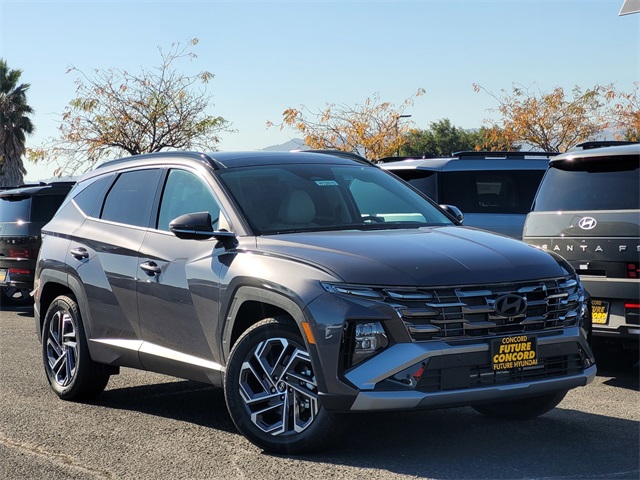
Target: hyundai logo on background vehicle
[[587, 223]]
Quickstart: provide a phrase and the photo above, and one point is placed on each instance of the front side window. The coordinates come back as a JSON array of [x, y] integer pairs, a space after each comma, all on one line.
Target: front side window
[[131, 197], [423, 180], [184, 193], [607, 185], [298, 197]]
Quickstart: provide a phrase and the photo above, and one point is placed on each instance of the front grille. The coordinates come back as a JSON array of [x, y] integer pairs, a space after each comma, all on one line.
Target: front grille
[[469, 311]]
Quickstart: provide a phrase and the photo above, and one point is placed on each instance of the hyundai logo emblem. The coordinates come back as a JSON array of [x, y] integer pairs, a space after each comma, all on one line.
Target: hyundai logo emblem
[[587, 223], [510, 305]]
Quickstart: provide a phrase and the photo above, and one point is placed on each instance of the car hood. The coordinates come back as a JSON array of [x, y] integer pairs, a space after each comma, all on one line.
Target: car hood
[[425, 256]]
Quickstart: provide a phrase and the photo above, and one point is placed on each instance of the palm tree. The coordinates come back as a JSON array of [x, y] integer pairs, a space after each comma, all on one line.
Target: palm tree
[[14, 125]]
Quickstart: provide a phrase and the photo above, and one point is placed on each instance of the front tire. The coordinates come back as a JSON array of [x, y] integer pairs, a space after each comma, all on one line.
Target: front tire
[[69, 368], [521, 409], [271, 390]]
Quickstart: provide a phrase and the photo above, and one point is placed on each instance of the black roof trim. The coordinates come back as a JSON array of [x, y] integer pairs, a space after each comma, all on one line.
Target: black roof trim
[[36, 188], [424, 156], [505, 155], [338, 153], [601, 144], [473, 154]]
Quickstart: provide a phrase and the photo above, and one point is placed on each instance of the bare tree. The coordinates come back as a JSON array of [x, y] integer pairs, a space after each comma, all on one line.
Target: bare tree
[[118, 113]]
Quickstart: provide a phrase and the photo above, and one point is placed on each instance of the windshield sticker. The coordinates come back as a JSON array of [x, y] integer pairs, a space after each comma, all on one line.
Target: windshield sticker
[[327, 183]]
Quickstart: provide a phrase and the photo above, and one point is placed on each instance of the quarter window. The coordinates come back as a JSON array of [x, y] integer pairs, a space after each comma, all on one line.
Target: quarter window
[[89, 199]]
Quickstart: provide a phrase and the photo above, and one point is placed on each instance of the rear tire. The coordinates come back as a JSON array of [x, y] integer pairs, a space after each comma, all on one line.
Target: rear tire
[[271, 391], [69, 368], [12, 296], [521, 409]]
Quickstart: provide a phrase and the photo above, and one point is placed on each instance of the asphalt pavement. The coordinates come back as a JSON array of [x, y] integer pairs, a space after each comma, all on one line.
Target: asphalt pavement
[[149, 426]]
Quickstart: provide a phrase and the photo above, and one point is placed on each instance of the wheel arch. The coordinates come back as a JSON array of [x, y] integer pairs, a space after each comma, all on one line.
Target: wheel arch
[[53, 284], [251, 305]]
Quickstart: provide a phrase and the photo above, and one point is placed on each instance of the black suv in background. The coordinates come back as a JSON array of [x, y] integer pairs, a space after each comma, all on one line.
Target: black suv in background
[[23, 212], [588, 210], [494, 190], [306, 284]]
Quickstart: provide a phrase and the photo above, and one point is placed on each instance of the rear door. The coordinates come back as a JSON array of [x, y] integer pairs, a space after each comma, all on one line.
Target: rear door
[[103, 258]]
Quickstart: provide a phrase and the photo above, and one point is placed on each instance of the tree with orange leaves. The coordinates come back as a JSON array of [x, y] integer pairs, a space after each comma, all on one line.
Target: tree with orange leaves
[[625, 113], [373, 129], [551, 121]]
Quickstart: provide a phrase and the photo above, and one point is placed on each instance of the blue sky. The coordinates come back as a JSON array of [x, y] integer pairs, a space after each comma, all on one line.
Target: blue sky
[[268, 56]]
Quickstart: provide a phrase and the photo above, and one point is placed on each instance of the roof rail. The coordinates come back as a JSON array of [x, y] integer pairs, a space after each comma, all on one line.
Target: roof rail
[[506, 155], [171, 153], [600, 144], [408, 157]]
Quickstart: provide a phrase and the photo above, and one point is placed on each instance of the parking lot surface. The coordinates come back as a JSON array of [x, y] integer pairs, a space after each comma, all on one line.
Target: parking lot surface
[[152, 426]]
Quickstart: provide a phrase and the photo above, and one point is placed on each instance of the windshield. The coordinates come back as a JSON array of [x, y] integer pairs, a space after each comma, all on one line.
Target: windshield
[[604, 186], [298, 197]]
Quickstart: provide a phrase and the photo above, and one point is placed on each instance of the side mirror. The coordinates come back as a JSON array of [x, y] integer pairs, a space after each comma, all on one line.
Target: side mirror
[[198, 226], [454, 212]]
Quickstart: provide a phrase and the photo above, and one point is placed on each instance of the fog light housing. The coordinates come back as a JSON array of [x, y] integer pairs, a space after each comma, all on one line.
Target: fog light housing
[[366, 340], [410, 377]]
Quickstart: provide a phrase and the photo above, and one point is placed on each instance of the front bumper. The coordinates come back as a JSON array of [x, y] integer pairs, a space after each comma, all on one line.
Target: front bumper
[[460, 373]]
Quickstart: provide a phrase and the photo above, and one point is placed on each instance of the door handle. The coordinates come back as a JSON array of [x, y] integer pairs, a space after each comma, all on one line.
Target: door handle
[[150, 268], [79, 253]]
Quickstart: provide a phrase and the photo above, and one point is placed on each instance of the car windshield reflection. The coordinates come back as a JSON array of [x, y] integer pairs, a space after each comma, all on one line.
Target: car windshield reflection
[[321, 197]]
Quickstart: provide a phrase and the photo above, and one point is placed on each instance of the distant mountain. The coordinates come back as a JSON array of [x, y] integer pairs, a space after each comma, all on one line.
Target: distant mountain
[[293, 144]]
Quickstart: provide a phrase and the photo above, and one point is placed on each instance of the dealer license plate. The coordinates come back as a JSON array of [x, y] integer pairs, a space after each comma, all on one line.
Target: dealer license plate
[[515, 351], [599, 311], [3, 274]]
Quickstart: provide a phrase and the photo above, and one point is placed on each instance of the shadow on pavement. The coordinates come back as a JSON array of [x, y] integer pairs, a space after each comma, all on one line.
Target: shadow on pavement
[[444, 444]]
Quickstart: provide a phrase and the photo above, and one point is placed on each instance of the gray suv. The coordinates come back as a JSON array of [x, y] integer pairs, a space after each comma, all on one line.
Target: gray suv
[[588, 211], [306, 285], [494, 190]]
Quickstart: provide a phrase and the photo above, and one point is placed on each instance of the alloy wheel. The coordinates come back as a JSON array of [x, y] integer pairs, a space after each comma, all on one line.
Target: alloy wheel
[[62, 348], [278, 387]]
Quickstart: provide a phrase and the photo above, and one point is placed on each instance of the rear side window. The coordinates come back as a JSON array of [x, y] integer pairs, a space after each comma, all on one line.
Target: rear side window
[[491, 191], [608, 185], [15, 208], [130, 199]]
